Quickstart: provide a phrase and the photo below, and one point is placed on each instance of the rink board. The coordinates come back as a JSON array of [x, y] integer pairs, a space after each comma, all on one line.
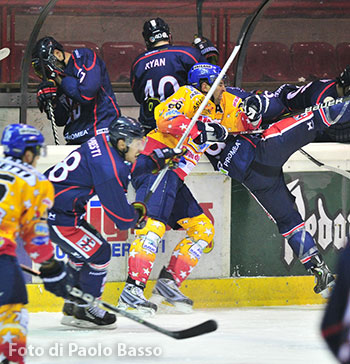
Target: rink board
[[209, 293], [246, 244]]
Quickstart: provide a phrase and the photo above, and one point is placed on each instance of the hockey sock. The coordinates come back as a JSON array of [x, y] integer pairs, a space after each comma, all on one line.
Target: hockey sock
[[13, 331], [144, 249]]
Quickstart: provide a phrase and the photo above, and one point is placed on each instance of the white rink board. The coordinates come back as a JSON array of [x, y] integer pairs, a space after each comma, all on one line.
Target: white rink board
[[210, 188]]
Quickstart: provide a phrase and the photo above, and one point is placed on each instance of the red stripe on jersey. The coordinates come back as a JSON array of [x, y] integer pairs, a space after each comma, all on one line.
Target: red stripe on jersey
[[112, 159], [95, 117], [321, 94], [87, 98], [165, 51], [294, 228], [284, 125], [112, 101], [324, 117], [118, 217], [247, 139], [93, 63], [65, 190], [332, 330]]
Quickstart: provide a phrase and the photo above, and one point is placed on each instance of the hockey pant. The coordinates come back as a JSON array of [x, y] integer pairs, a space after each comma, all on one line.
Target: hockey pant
[[185, 256], [89, 255]]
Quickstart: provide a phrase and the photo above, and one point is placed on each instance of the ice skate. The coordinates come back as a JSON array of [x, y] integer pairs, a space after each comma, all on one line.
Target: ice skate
[[166, 290], [68, 315], [324, 279], [132, 297], [92, 317]]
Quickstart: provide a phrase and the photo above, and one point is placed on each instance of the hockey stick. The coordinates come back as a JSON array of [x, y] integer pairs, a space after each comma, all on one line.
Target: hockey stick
[[199, 6], [203, 328], [228, 63], [4, 52], [51, 115], [27, 57]]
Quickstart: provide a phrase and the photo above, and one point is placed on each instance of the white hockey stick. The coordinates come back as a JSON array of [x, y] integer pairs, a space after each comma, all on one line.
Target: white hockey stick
[[4, 52], [195, 118]]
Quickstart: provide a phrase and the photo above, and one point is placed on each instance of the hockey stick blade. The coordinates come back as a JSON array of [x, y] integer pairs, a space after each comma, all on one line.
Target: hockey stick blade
[[4, 52], [201, 329]]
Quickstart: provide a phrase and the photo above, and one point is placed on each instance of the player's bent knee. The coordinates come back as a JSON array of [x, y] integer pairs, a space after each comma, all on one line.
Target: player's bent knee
[[198, 228]]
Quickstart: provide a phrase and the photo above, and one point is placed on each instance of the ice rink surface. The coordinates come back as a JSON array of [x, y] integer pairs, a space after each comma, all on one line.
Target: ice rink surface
[[266, 335]]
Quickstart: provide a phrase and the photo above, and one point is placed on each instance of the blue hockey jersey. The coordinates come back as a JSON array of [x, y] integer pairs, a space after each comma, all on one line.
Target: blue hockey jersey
[[86, 103], [95, 168], [290, 98], [157, 74]]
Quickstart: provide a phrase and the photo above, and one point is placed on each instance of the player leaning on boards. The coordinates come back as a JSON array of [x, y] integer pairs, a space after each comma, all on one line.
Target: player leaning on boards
[[172, 203], [101, 167], [161, 70], [26, 195], [256, 161], [78, 87]]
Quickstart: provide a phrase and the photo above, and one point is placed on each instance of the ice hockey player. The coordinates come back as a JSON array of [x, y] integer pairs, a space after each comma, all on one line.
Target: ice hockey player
[[207, 48], [173, 203], [78, 86], [101, 167], [161, 70], [26, 195], [256, 161]]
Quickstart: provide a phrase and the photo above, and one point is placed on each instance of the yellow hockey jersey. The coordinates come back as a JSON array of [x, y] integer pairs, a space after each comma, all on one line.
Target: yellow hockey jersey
[[25, 197], [186, 102]]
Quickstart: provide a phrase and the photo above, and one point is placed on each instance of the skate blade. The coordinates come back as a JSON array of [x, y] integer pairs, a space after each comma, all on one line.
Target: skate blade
[[82, 324], [67, 320], [326, 293], [141, 312], [166, 306]]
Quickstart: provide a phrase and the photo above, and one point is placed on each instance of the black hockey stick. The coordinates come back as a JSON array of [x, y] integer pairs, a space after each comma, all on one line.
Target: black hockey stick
[[199, 6], [50, 112], [27, 58], [203, 328]]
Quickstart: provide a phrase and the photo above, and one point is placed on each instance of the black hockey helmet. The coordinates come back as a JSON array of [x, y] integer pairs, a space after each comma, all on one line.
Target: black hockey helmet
[[125, 128], [155, 30], [44, 52], [343, 80]]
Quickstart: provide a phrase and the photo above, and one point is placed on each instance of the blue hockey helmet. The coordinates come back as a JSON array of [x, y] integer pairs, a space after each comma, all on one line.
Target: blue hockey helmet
[[203, 72], [155, 30], [16, 138]]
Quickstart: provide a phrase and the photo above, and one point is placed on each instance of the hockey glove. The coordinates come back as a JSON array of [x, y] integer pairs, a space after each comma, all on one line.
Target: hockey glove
[[253, 108], [344, 80], [55, 278], [210, 132], [47, 91], [170, 156], [207, 48], [141, 209]]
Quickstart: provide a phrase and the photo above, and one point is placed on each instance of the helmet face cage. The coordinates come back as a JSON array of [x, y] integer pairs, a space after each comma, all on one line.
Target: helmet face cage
[[155, 30], [203, 72], [125, 128], [17, 138], [43, 54]]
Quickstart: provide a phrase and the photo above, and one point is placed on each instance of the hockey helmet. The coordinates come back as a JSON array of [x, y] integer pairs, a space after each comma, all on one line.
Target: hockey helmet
[[43, 56], [203, 72], [16, 138], [155, 30], [125, 128]]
